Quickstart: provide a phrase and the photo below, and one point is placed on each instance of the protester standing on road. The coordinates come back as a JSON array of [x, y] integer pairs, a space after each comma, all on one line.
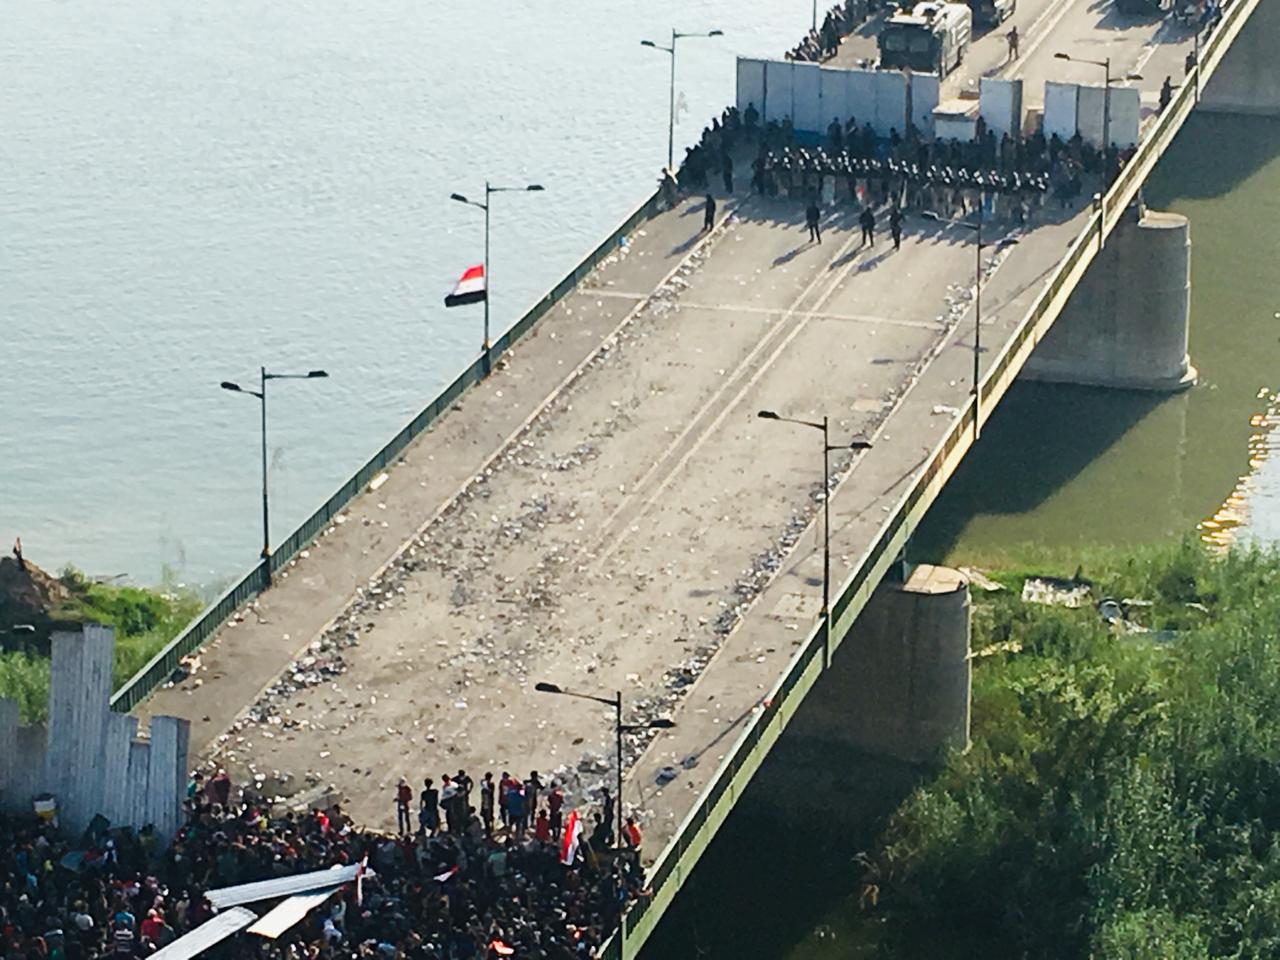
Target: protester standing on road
[[429, 808], [504, 784], [811, 215], [868, 221], [517, 815], [532, 787], [607, 799], [404, 797], [895, 227], [708, 218], [1166, 93], [555, 803], [486, 803], [1012, 37]]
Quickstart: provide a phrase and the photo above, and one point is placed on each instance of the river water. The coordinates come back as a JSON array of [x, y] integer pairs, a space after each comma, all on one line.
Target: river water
[[1059, 468], [192, 190]]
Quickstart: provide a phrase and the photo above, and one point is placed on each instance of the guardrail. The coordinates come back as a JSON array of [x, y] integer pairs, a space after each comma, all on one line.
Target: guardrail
[[160, 667], [681, 854]]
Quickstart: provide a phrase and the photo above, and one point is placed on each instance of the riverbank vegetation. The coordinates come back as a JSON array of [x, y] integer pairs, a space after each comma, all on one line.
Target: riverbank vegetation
[[1122, 793], [144, 621]]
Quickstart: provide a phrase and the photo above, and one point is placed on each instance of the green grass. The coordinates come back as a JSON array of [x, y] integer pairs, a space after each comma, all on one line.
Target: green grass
[[1122, 796], [144, 621]]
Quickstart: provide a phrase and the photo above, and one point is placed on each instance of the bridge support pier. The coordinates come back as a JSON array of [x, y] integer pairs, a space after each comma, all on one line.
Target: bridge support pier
[[1248, 79], [1126, 323], [899, 686]]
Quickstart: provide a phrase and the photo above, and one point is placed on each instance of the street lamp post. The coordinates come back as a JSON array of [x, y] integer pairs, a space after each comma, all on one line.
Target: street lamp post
[[671, 122], [827, 449], [977, 304], [1105, 64], [619, 728], [261, 394], [489, 190]]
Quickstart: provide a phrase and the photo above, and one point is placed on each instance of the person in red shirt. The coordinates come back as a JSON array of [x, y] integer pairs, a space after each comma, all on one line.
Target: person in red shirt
[[151, 926], [631, 834], [404, 797], [542, 827], [555, 803]]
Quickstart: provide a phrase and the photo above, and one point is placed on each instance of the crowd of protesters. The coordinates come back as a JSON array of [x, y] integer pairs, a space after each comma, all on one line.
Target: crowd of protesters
[[460, 886], [822, 43], [853, 164]]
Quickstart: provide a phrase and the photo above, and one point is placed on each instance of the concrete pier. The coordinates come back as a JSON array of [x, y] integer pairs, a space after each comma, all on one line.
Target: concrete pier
[[1127, 322], [1249, 79], [900, 686]]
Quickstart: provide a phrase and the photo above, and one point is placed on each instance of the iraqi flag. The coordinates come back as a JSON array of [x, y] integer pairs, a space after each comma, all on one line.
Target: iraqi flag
[[447, 875], [470, 288], [569, 840]]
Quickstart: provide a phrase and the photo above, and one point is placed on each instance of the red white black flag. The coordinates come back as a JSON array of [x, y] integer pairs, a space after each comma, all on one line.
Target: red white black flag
[[470, 288], [570, 838]]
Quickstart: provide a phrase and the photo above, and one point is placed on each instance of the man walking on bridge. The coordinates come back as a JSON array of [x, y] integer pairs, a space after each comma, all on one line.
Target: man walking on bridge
[[811, 216], [868, 221], [1012, 37], [709, 213]]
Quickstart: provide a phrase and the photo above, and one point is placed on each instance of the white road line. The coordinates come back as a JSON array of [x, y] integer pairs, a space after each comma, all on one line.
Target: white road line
[[808, 314], [814, 284], [1040, 33]]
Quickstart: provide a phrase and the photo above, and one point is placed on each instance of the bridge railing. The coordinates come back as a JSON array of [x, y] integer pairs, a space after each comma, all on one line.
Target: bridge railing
[[161, 666], [678, 858]]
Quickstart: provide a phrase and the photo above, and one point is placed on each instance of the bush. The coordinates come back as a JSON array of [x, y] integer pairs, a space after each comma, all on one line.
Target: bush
[[1122, 796], [144, 621]]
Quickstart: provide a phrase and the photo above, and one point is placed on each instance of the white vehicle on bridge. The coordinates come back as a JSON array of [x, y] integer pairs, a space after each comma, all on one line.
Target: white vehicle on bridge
[[930, 38]]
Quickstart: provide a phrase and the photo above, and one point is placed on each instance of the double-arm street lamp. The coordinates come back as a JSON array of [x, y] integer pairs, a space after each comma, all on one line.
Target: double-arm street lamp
[[489, 191], [619, 729], [977, 315], [1106, 129], [977, 301], [827, 449], [261, 394], [671, 123]]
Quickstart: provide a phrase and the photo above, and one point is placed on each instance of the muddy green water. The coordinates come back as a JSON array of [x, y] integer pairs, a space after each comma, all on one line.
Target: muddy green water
[[1059, 468]]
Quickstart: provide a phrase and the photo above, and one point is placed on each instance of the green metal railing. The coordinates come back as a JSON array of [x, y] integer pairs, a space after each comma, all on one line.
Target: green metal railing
[[680, 855], [160, 667]]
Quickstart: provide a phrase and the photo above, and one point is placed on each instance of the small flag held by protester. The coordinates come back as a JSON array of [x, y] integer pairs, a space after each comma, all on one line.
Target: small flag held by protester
[[501, 949], [470, 288], [569, 841], [442, 877]]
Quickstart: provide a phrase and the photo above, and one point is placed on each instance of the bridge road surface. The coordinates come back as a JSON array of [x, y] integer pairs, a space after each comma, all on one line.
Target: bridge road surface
[[612, 540]]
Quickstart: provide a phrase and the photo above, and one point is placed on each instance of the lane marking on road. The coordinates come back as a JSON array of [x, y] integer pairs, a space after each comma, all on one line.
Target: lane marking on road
[[1040, 32], [772, 334], [867, 318]]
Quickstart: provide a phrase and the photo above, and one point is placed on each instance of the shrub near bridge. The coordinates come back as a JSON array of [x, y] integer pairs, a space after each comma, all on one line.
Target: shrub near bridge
[[1122, 794], [144, 621]]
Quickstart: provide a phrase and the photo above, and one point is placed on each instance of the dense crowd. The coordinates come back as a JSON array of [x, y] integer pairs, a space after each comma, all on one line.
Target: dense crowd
[[854, 165], [823, 42], [460, 887]]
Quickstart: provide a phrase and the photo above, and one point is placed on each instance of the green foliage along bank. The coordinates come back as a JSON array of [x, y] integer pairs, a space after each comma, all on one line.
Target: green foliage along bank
[[1121, 798], [144, 621]]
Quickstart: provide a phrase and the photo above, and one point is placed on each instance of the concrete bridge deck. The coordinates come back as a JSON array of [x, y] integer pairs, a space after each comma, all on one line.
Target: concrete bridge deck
[[606, 512]]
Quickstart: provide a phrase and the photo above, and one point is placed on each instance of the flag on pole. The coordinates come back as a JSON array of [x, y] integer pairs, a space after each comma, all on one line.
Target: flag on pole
[[470, 288], [569, 841], [361, 870]]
